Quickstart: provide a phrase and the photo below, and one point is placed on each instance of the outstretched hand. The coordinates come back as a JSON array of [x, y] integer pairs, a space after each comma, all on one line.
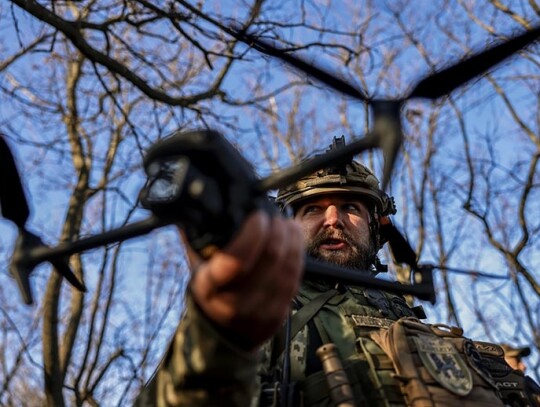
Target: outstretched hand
[[247, 287]]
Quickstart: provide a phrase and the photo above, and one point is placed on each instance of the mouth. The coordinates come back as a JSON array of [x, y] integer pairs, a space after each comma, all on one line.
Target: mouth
[[333, 244]]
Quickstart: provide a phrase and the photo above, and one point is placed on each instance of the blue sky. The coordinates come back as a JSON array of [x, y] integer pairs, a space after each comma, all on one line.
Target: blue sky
[[322, 114]]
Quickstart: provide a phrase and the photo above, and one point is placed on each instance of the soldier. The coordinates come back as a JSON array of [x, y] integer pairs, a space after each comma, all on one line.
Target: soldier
[[231, 346]]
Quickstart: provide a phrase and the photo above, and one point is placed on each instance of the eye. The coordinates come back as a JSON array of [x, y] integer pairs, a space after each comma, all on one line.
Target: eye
[[310, 209], [352, 207]]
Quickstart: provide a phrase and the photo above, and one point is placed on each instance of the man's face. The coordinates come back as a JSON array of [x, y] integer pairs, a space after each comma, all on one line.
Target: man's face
[[336, 229]]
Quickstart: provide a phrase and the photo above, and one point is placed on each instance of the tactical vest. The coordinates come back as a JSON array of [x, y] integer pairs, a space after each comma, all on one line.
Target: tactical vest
[[388, 363]]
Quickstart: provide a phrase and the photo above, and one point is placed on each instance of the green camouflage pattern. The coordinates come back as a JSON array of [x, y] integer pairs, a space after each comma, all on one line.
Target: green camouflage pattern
[[344, 319], [337, 316], [201, 368]]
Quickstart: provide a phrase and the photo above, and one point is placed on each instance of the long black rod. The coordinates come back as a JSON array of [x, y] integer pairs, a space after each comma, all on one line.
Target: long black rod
[[44, 253], [317, 269], [313, 268]]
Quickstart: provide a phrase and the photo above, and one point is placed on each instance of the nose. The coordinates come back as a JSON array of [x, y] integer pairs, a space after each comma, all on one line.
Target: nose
[[332, 217]]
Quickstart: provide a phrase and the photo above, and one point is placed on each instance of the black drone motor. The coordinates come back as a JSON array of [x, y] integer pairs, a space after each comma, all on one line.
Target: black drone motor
[[200, 181]]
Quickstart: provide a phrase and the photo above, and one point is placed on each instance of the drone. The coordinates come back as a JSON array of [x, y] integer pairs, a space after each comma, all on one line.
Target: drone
[[198, 180]]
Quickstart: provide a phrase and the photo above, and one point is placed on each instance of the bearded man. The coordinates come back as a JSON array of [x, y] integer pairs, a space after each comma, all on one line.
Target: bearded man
[[233, 347]]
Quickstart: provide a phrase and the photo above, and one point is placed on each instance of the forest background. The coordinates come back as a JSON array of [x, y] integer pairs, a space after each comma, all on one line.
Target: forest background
[[87, 86]]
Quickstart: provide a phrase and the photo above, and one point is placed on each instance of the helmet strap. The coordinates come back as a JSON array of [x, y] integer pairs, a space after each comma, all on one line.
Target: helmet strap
[[374, 228]]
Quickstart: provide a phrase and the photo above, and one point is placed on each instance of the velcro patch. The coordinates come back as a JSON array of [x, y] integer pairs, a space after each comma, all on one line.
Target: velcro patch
[[487, 348], [374, 322], [443, 362]]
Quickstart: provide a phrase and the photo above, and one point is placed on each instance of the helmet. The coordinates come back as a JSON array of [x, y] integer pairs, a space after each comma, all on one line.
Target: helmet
[[351, 178]]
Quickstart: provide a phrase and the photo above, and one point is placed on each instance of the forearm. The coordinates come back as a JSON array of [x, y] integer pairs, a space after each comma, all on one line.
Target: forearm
[[245, 289], [202, 368]]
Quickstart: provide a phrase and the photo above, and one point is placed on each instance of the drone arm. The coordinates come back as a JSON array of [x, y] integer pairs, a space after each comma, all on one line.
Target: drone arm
[[422, 289], [13, 201], [31, 251], [331, 158]]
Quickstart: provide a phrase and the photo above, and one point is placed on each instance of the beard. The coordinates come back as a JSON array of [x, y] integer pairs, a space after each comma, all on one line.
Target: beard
[[359, 255]]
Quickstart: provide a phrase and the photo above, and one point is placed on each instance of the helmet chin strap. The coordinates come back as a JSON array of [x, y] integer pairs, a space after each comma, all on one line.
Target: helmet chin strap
[[374, 230]]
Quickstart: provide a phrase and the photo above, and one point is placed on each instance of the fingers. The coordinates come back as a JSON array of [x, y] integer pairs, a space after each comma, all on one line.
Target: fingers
[[280, 263], [275, 280], [248, 287], [228, 266]]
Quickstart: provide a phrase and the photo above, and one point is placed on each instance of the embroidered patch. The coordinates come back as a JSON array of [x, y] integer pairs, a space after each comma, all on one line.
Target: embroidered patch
[[487, 348], [497, 367], [444, 364], [375, 322], [475, 360]]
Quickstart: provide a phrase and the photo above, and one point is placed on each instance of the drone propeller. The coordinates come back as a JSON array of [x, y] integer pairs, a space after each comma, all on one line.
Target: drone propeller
[[434, 86], [387, 133], [445, 81], [400, 248], [12, 198], [318, 73], [15, 208]]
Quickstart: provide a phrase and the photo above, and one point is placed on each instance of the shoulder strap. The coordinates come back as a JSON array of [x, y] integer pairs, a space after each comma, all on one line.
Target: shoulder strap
[[300, 319]]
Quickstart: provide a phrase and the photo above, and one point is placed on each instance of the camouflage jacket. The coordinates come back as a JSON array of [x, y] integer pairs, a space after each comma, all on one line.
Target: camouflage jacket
[[202, 368], [349, 313]]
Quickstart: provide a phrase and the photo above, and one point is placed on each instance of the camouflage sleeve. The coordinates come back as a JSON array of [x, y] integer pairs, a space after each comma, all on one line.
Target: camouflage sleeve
[[201, 368]]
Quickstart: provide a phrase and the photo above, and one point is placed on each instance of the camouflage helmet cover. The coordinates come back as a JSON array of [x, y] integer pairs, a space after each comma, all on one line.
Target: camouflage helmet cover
[[353, 178]]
